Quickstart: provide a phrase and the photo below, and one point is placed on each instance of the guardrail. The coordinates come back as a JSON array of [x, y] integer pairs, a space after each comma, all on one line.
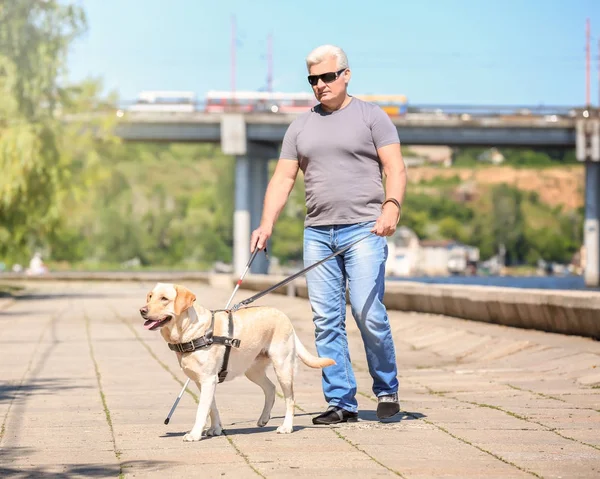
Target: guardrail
[[447, 109], [557, 311]]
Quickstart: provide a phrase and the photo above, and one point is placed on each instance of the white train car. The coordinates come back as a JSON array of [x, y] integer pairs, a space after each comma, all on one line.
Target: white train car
[[165, 101], [258, 101], [278, 102]]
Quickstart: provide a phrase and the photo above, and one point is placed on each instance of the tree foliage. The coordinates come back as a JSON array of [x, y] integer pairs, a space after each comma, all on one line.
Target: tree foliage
[[34, 39], [71, 189]]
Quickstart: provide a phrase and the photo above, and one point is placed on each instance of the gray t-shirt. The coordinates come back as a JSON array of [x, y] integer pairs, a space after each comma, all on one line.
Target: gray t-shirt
[[337, 152]]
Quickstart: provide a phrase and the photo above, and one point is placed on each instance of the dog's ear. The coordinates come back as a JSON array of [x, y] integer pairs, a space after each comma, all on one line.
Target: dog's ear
[[184, 299]]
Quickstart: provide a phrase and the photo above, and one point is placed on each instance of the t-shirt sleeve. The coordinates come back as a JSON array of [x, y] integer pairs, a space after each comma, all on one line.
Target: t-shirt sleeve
[[384, 132], [289, 150]]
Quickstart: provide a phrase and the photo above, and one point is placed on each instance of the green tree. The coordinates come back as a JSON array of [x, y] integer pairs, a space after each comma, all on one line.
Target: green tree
[[452, 229], [520, 157], [34, 40], [508, 222], [482, 236], [288, 233]]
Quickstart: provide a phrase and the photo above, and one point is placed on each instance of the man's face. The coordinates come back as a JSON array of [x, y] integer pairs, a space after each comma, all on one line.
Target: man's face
[[333, 91]]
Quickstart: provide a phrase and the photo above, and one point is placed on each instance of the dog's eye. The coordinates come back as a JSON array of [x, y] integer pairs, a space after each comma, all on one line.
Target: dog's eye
[[164, 299]]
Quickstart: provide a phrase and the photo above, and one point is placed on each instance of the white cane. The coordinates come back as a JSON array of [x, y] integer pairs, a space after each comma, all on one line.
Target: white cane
[[237, 286]]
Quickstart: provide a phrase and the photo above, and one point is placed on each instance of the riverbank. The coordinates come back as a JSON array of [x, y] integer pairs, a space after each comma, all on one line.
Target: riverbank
[[571, 282]]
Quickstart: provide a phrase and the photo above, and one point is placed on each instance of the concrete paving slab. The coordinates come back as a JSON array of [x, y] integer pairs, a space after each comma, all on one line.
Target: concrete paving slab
[[85, 390]]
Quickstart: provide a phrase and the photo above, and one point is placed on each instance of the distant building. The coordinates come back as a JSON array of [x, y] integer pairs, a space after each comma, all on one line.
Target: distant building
[[466, 191], [433, 155], [446, 257], [403, 253], [410, 160], [407, 256], [492, 156]]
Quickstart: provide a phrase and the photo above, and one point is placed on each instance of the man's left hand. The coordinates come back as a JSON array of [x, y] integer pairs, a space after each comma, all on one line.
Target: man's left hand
[[387, 221]]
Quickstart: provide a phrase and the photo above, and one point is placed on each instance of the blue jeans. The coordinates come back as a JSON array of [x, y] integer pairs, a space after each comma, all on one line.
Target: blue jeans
[[363, 267]]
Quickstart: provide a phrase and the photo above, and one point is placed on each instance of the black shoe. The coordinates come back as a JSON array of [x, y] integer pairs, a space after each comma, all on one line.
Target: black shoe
[[335, 415], [387, 406]]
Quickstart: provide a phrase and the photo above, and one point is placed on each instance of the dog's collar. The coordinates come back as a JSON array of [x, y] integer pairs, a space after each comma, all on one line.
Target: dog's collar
[[208, 339]]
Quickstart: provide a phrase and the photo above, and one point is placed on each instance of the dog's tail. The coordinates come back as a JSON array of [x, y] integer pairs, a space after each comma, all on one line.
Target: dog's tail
[[309, 359]]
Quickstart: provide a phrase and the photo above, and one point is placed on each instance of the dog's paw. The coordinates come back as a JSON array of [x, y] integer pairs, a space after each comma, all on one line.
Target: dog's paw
[[262, 421], [214, 431], [284, 429], [192, 437]]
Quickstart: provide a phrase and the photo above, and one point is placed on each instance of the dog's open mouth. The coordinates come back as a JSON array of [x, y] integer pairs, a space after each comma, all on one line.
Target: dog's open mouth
[[152, 324]]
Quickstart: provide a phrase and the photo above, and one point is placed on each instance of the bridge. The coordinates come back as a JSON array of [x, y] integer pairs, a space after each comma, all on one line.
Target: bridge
[[464, 129], [255, 138]]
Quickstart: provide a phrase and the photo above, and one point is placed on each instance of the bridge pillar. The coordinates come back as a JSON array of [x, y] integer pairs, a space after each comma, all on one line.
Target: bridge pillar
[[587, 147], [251, 179], [241, 215], [259, 178]]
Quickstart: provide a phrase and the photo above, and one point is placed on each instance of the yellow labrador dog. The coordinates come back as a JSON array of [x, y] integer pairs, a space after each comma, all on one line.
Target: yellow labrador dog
[[265, 336]]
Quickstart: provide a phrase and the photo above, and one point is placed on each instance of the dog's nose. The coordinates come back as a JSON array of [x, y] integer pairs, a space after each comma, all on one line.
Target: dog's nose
[[144, 310]]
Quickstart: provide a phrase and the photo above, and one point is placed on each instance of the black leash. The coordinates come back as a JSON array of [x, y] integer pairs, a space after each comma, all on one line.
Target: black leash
[[251, 299]]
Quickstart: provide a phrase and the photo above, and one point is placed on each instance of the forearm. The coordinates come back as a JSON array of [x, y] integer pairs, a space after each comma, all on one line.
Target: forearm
[[276, 196], [395, 182]]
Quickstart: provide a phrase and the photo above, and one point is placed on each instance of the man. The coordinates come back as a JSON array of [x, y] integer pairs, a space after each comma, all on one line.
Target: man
[[341, 145]]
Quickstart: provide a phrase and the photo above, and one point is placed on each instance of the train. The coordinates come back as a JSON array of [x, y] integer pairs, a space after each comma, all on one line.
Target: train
[[216, 101], [258, 101], [395, 105], [165, 101]]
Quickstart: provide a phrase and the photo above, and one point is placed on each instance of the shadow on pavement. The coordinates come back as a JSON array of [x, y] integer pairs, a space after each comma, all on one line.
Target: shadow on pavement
[[61, 470], [10, 391], [401, 416]]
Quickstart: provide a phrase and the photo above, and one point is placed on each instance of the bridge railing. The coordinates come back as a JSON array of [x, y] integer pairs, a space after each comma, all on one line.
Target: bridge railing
[[508, 111]]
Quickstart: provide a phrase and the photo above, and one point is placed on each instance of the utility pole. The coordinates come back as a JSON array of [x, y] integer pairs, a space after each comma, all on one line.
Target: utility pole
[[270, 63], [233, 45], [587, 63], [587, 150]]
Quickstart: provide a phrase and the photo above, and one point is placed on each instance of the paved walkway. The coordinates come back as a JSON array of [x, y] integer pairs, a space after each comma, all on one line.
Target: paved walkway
[[84, 390]]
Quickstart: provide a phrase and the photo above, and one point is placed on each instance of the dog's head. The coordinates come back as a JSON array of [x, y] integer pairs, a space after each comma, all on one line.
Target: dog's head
[[164, 303]]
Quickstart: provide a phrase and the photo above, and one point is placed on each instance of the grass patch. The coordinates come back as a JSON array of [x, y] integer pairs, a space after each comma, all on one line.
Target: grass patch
[[342, 437], [526, 419], [158, 360], [242, 455], [29, 365], [103, 397], [441, 181], [458, 438], [10, 290], [194, 396], [496, 456]]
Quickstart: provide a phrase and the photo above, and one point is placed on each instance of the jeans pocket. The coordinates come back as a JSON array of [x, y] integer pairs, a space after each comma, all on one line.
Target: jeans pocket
[[370, 223]]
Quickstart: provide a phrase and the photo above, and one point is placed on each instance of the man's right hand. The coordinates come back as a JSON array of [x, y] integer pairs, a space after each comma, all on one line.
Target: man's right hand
[[259, 237]]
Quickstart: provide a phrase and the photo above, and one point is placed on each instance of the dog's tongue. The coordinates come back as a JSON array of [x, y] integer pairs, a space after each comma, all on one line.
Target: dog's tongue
[[149, 324]]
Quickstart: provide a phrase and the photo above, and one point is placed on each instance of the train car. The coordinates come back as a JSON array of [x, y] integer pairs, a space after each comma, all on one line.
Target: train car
[[258, 101], [278, 102], [393, 105], [165, 101]]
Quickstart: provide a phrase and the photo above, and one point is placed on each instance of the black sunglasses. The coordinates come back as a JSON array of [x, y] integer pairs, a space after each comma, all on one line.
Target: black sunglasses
[[326, 77]]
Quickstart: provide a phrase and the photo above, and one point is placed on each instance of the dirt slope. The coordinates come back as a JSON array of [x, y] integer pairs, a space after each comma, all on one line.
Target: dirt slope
[[561, 185]]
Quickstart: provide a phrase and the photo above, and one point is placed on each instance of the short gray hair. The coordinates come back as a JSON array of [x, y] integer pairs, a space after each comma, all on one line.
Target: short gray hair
[[327, 51]]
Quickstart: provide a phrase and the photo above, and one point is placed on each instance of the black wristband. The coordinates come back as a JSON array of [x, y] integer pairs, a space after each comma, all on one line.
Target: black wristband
[[397, 203], [392, 200]]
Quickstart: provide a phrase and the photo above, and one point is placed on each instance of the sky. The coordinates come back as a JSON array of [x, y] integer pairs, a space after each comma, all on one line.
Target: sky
[[442, 52]]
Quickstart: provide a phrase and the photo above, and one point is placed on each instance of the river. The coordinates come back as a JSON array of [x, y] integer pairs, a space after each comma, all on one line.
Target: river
[[571, 282]]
